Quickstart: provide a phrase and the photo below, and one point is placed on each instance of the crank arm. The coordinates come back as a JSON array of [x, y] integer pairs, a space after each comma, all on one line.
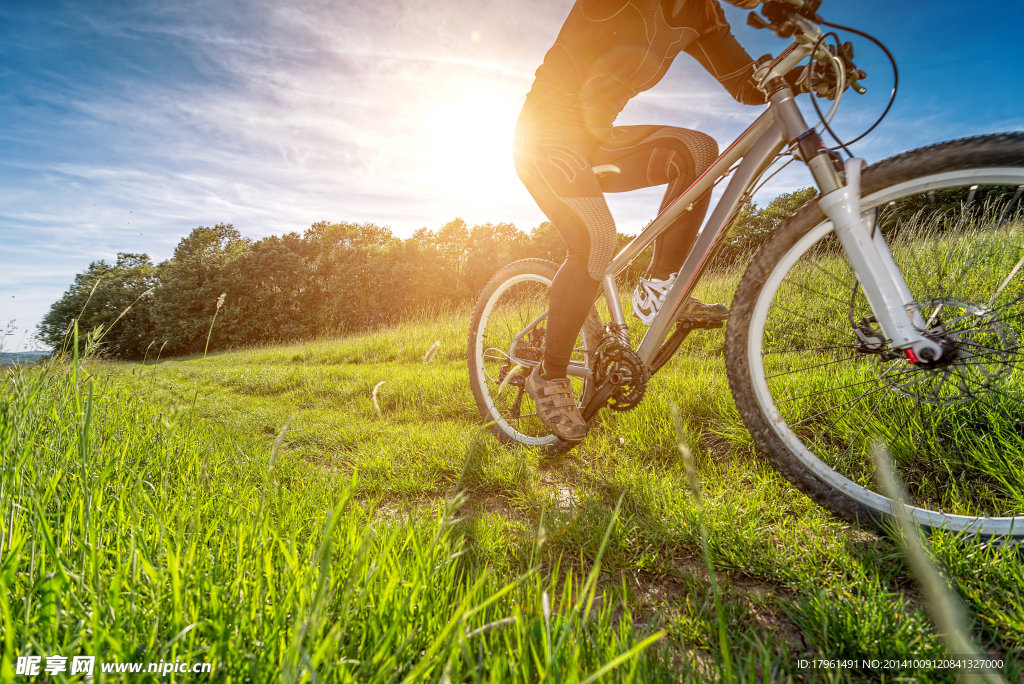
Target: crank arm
[[597, 401]]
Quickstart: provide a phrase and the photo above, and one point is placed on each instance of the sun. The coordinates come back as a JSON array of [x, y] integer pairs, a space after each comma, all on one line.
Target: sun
[[469, 138]]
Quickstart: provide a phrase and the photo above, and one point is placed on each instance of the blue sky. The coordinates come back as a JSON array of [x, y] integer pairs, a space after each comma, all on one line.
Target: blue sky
[[127, 124]]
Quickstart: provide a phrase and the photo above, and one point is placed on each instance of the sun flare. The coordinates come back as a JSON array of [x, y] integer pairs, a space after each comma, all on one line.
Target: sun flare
[[469, 139]]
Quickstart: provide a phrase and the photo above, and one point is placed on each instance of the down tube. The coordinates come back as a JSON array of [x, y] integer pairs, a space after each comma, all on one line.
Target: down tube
[[761, 154]]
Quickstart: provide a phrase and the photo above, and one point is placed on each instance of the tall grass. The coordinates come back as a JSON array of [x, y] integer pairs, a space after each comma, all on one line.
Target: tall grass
[[126, 536], [372, 541], [945, 607]]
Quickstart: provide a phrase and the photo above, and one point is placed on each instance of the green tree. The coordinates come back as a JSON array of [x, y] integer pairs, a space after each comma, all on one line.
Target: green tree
[[265, 288], [546, 243], [490, 248], [98, 297], [353, 281], [446, 253], [190, 283], [752, 226]]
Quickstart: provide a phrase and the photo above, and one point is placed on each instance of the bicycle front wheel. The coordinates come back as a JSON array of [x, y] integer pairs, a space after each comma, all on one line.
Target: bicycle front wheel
[[815, 381], [510, 302]]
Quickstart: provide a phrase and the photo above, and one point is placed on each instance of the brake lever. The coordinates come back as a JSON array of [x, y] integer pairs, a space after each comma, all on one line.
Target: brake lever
[[779, 15], [853, 74], [757, 21]]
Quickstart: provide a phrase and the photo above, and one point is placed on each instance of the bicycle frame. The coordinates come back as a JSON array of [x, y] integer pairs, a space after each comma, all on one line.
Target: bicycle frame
[[757, 147], [780, 125]]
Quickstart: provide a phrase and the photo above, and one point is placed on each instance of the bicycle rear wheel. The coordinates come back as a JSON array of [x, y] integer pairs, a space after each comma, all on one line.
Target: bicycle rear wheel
[[815, 381], [511, 300]]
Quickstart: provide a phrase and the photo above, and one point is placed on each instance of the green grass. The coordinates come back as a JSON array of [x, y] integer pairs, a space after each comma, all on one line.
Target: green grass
[[159, 511], [139, 532]]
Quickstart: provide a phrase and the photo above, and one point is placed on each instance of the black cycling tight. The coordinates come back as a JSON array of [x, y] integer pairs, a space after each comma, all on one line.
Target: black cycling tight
[[554, 157]]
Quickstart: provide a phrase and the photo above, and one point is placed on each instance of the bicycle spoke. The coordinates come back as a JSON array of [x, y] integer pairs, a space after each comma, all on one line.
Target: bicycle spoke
[[1015, 400], [820, 365], [859, 432], [836, 421], [808, 349], [1019, 299], [826, 391], [827, 296], [816, 265], [829, 410], [799, 315], [967, 266]]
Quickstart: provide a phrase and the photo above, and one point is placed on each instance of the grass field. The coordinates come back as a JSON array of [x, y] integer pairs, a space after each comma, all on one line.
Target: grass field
[[333, 511]]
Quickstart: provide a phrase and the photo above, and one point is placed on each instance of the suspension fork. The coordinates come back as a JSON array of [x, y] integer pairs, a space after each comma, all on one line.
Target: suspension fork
[[883, 283]]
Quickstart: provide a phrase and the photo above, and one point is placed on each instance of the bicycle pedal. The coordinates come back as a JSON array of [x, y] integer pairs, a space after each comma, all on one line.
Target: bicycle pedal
[[694, 322]]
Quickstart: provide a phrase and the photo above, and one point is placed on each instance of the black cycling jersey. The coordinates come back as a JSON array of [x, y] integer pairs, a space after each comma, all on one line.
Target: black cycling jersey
[[607, 52], [610, 50]]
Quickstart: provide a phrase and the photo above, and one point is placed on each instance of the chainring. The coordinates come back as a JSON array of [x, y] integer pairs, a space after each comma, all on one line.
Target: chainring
[[617, 364]]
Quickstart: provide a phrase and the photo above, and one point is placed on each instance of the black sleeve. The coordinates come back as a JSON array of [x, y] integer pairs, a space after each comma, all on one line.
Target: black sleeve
[[721, 54]]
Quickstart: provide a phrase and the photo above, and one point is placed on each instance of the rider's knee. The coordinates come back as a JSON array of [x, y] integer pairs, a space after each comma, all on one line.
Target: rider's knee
[[597, 221], [704, 150], [600, 256]]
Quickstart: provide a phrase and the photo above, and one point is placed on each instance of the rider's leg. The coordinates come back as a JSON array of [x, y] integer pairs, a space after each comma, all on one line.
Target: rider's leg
[[674, 245], [553, 162], [657, 155]]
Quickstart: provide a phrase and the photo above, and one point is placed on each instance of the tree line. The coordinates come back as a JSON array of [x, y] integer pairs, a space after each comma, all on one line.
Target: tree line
[[331, 279]]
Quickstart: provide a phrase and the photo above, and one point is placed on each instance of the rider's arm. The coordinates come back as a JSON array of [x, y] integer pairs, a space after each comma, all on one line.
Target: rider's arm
[[726, 60]]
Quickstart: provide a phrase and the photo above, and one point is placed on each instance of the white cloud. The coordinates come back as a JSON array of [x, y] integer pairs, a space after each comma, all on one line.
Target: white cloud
[[274, 115]]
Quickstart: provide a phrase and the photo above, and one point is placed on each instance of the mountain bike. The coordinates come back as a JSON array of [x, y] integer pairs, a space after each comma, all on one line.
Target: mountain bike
[[871, 313]]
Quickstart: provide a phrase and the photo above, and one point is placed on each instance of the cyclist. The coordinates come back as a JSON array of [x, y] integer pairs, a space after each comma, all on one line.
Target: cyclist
[[568, 153]]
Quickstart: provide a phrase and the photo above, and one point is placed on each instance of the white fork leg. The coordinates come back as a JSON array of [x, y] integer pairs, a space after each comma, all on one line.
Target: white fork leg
[[883, 284], [869, 217]]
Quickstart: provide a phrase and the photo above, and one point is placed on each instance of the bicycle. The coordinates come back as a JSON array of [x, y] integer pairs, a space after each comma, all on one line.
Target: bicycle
[[835, 337]]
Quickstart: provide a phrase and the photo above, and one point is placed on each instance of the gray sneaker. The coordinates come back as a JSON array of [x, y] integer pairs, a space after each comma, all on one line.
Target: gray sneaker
[[556, 406], [708, 312]]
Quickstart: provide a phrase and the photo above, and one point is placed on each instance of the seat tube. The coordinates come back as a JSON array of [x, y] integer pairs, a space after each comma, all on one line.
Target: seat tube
[[611, 296]]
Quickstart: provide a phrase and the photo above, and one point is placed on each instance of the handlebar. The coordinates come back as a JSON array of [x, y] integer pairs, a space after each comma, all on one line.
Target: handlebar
[[798, 19]]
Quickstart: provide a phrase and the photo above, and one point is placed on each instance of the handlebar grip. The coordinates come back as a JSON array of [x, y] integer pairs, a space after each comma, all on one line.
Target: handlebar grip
[[754, 19]]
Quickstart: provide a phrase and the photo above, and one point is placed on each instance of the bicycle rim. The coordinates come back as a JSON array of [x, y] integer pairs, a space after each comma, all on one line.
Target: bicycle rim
[[511, 307], [955, 430]]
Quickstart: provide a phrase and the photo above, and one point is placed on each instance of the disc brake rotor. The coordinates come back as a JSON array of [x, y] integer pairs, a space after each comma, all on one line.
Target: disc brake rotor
[[979, 354]]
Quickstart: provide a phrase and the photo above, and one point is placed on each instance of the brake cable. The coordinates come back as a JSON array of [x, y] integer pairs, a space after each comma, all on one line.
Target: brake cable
[[839, 84], [892, 95]]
